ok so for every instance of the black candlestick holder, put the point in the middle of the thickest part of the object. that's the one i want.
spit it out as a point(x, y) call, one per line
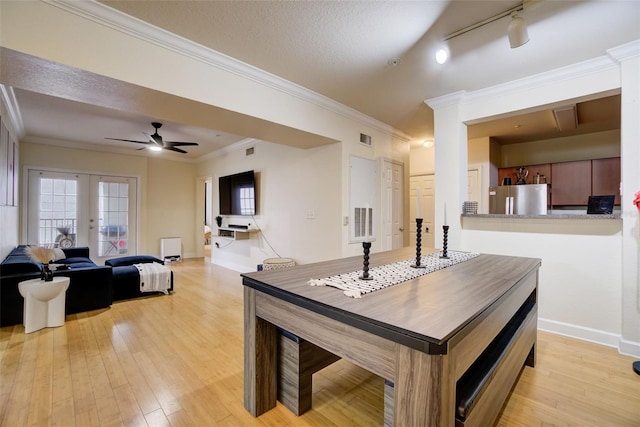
point(418, 244)
point(445, 237)
point(366, 246)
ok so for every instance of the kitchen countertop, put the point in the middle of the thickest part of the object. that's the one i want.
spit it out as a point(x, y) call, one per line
point(548, 216)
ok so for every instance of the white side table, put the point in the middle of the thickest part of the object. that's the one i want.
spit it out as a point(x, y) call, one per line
point(43, 303)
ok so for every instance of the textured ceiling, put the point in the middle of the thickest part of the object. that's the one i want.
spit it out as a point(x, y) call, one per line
point(344, 49)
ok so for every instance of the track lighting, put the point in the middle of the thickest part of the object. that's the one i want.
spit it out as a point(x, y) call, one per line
point(517, 31)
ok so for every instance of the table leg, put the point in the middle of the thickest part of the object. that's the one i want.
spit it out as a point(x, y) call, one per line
point(424, 390)
point(260, 359)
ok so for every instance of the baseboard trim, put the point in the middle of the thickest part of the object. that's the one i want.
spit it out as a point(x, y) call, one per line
point(231, 266)
point(595, 336)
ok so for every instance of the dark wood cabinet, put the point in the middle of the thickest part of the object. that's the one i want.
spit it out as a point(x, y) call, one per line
point(606, 177)
point(571, 183)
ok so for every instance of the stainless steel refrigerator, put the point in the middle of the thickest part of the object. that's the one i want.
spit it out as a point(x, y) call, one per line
point(525, 199)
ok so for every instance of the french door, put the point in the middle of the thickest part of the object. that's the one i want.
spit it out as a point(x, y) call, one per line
point(68, 209)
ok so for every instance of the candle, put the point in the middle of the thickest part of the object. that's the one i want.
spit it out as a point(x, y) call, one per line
point(445, 214)
point(418, 202)
point(366, 223)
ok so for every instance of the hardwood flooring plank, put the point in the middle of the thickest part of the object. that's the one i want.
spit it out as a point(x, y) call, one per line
point(177, 360)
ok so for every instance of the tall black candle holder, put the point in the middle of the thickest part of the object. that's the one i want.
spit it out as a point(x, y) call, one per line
point(366, 246)
point(418, 244)
point(445, 237)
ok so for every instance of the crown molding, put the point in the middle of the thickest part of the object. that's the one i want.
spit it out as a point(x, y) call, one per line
point(625, 51)
point(119, 21)
point(8, 98)
point(585, 68)
point(447, 100)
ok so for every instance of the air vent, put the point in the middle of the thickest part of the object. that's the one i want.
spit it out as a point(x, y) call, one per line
point(366, 140)
point(363, 222)
point(249, 151)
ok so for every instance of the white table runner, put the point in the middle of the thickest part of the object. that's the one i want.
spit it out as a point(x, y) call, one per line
point(391, 274)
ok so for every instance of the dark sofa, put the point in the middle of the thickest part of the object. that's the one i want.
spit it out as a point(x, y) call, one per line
point(90, 285)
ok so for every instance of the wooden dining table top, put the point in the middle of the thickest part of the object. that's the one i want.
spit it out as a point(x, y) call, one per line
point(424, 312)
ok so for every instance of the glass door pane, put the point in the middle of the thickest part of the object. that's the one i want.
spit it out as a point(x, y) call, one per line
point(112, 218)
point(56, 209)
point(57, 214)
point(113, 223)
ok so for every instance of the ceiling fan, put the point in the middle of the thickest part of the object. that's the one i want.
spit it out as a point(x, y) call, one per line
point(156, 141)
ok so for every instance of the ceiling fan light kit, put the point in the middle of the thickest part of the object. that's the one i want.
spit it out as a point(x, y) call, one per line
point(156, 142)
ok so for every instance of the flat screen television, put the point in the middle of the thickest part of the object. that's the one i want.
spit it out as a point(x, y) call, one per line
point(237, 194)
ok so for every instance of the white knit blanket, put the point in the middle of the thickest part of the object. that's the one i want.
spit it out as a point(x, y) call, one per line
point(390, 274)
point(154, 277)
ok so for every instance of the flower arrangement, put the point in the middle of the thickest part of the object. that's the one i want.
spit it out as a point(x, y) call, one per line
point(636, 201)
point(40, 254)
point(43, 256)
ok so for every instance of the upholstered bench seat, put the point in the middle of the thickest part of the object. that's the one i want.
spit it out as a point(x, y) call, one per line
point(126, 277)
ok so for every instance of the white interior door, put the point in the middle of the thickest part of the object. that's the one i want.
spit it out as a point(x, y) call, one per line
point(392, 205)
point(112, 217)
point(427, 190)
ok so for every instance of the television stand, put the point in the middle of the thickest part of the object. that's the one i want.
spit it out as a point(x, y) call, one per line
point(234, 233)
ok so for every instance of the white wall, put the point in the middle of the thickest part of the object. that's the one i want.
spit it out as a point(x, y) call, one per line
point(579, 287)
point(597, 145)
point(589, 278)
point(166, 191)
point(290, 182)
point(127, 56)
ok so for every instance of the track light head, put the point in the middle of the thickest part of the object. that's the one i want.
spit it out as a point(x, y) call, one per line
point(517, 31)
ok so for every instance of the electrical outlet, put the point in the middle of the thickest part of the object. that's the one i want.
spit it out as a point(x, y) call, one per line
point(310, 215)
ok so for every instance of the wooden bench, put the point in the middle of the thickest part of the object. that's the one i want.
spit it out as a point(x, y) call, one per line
point(298, 360)
point(485, 362)
point(483, 389)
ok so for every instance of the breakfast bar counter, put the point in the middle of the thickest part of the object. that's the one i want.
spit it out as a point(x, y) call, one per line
point(421, 335)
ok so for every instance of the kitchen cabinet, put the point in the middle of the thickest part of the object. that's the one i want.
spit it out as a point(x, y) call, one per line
point(542, 169)
point(606, 177)
point(571, 183)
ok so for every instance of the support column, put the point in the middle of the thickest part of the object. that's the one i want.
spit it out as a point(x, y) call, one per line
point(628, 56)
point(451, 165)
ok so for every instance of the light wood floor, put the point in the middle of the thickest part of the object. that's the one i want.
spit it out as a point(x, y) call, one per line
point(177, 360)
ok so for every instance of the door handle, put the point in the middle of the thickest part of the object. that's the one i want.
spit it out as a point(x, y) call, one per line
point(401, 229)
point(426, 229)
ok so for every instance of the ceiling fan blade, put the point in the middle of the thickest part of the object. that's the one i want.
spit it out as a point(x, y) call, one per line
point(153, 139)
point(129, 140)
point(175, 149)
point(179, 143)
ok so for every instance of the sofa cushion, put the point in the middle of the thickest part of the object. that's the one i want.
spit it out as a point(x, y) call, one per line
point(133, 259)
point(18, 265)
point(18, 262)
point(77, 260)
